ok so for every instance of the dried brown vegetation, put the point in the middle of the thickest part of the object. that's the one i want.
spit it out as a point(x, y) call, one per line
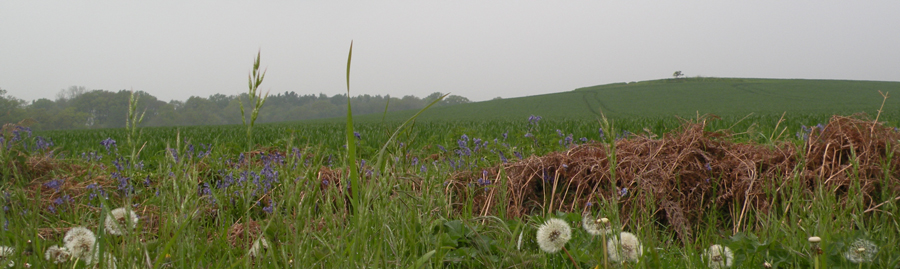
point(692, 171)
point(242, 235)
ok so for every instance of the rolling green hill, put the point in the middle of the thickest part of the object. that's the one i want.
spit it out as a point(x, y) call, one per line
point(728, 97)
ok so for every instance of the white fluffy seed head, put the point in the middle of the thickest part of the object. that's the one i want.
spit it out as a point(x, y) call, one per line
point(81, 243)
point(718, 256)
point(553, 235)
point(595, 226)
point(6, 254)
point(76, 232)
point(861, 251)
point(118, 219)
point(57, 254)
point(625, 247)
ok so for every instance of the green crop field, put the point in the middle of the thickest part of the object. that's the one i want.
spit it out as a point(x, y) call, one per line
point(726, 97)
point(756, 165)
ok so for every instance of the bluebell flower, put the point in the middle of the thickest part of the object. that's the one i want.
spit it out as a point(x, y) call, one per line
point(270, 208)
point(117, 164)
point(356, 134)
point(518, 155)
point(442, 148)
point(533, 120)
point(96, 191)
point(62, 200)
point(423, 169)
point(623, 192)
point(17, 132)
point(42, 143)
point(108, 142)
point(528, 135)
point(503, 158)
point(804, 132)
point(54, 184)
point(174, 154)
point(708, 167)
point(124, 183)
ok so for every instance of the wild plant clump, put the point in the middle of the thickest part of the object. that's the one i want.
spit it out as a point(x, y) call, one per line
point(690, 172)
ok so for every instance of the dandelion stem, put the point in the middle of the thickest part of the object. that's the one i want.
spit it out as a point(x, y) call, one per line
point(570, 258)
point(605, 255)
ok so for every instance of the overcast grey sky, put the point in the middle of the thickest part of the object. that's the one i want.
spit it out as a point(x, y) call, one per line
point(477, 49)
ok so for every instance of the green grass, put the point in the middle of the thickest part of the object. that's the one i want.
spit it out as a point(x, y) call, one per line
point(188, 200)
point(410, 213)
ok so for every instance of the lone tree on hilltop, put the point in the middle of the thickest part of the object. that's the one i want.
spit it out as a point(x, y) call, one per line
point(678, 74)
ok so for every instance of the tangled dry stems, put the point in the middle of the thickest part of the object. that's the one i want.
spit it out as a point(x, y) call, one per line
point(691, 171)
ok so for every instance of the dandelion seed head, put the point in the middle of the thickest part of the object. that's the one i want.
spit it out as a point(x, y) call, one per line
point(117, 221)
point(595, 226)
point(625, 247)
point(553, 235)
point(80, 242)
point(6, 252)
point(718, 256)
point(57, 254)
point(861, 251)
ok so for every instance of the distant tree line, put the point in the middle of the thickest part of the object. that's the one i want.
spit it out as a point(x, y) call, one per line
point(79, 108)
